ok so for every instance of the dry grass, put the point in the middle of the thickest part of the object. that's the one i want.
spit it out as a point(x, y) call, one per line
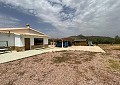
point(67, 57)
point(110, 46)
point(64, 68)
point(60, 59)
point(115, 64)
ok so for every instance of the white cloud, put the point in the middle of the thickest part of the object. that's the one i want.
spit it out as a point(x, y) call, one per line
point(7, 21)
point(80, 15)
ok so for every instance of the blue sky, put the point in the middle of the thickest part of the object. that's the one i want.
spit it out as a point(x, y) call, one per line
point(62, 18)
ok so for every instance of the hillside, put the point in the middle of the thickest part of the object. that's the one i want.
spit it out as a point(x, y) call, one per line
point(99, 39)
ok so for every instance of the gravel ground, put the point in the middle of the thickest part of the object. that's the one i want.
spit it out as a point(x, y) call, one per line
point(63, 68)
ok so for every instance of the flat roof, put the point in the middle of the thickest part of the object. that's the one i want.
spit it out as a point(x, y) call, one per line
point(81, 40)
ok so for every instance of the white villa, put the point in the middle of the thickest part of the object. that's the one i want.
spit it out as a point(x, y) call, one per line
point(23, 38)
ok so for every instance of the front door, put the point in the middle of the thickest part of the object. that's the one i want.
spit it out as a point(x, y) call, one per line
point(27, 43)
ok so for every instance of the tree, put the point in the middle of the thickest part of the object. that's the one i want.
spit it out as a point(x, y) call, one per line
point(117, 40)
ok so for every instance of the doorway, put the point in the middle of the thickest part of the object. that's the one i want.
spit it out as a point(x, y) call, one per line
point(27, 43)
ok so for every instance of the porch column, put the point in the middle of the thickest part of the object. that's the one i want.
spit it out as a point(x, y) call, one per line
point(67, 44)
point(53, 43)
point(45, 42)
point(62, 43)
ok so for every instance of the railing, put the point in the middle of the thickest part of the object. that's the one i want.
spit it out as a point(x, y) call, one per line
point(4, 46)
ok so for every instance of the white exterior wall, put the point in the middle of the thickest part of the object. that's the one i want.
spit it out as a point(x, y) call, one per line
point(45, 40)
point(31, 40)
point(6, 37)
point(18, 41)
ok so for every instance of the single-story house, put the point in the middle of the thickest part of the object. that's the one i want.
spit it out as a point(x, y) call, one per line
point(23, 38)
point(81, 42)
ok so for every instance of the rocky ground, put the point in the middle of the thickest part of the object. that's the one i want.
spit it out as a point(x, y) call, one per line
point(64, 68)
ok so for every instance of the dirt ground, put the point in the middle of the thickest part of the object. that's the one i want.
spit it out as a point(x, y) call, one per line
point(64, 68)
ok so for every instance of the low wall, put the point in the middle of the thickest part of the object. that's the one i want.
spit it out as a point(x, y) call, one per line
point(45, 45)
point(18, 49)
point(36, 46)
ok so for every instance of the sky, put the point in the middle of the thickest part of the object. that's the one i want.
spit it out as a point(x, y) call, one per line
point(63, 18)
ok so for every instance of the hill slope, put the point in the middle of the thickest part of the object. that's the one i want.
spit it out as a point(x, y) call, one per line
point(96, 39)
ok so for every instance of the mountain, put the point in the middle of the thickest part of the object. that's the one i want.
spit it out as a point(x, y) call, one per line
point(96, 39)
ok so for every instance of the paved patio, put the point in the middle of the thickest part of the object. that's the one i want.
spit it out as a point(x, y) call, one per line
point(19, 55)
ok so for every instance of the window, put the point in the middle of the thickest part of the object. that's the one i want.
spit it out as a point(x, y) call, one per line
point(38, 41)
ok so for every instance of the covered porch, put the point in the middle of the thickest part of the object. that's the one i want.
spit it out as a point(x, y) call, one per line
point(63, 42)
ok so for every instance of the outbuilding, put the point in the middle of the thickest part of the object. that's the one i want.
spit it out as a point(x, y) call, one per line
point(81, 42)
point(21, 39)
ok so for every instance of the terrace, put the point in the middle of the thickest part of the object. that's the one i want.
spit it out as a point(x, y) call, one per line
point(6, 57)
